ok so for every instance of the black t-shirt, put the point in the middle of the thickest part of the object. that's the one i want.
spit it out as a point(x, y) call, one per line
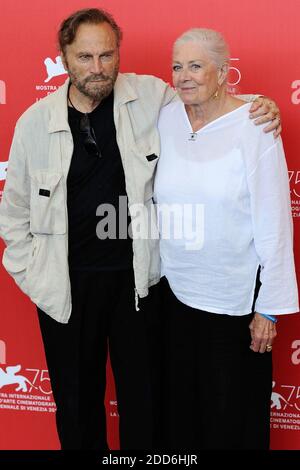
point(93, 181)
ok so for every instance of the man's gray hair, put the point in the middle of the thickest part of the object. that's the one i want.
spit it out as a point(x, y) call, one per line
point(213, 41)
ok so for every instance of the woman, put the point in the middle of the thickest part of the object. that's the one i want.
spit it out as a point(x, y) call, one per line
point(229, 180)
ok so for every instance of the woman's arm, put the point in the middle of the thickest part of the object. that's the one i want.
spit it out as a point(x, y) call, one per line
point(273, 238)
point(263, 333)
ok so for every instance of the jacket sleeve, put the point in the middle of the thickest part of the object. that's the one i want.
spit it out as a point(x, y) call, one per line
point(14, 214)
point(169, 95)
point(248, 98)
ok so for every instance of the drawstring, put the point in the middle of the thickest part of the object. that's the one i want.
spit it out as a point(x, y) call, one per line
point(136, 300)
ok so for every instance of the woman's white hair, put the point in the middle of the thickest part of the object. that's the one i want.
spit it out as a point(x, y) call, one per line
point(213, 41)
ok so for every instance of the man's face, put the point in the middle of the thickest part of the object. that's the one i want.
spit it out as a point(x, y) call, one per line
point(92, 60)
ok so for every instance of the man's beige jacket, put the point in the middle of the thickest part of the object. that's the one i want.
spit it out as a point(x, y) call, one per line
point(33, 212)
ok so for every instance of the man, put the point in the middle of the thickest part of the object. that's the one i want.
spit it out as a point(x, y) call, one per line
point(90, 143)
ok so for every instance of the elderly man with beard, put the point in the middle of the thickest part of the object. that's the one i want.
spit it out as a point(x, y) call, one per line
point(75, 154)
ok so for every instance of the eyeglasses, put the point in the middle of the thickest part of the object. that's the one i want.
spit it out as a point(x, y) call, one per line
point(89, 138)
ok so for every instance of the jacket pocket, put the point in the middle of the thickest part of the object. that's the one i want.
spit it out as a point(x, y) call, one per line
point(146, 157)
point(47, 203)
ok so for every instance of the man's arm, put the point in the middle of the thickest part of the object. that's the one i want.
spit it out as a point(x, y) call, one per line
point(264, 110)
point(170, 95)
point(14, 214)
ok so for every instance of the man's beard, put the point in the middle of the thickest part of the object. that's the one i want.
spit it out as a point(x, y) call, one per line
point(98, 91)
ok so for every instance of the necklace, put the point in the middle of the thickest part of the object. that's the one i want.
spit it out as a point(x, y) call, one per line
point(69, 99)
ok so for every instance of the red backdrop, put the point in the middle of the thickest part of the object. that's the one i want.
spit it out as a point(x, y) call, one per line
point(265, 45)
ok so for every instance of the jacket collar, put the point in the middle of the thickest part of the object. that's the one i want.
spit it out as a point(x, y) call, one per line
point(59, 109)
point(123, 93)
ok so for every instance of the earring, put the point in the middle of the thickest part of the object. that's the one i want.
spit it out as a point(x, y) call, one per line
point(215, 96)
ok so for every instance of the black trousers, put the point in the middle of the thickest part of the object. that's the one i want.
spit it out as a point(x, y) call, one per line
point(104, 317)
point(216, 390)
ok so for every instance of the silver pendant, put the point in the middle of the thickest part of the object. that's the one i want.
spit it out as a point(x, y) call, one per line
point(193, 136)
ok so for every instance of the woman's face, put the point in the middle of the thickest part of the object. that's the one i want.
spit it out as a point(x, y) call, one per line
point(195, 76)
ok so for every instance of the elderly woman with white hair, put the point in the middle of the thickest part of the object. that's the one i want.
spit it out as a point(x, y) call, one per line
point(230, 179)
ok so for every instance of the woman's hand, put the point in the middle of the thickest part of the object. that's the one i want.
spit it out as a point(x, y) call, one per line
point(263, 333)
point(266, 110)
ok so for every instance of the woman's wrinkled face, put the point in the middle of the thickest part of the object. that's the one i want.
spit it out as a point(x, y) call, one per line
point(195, 76)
